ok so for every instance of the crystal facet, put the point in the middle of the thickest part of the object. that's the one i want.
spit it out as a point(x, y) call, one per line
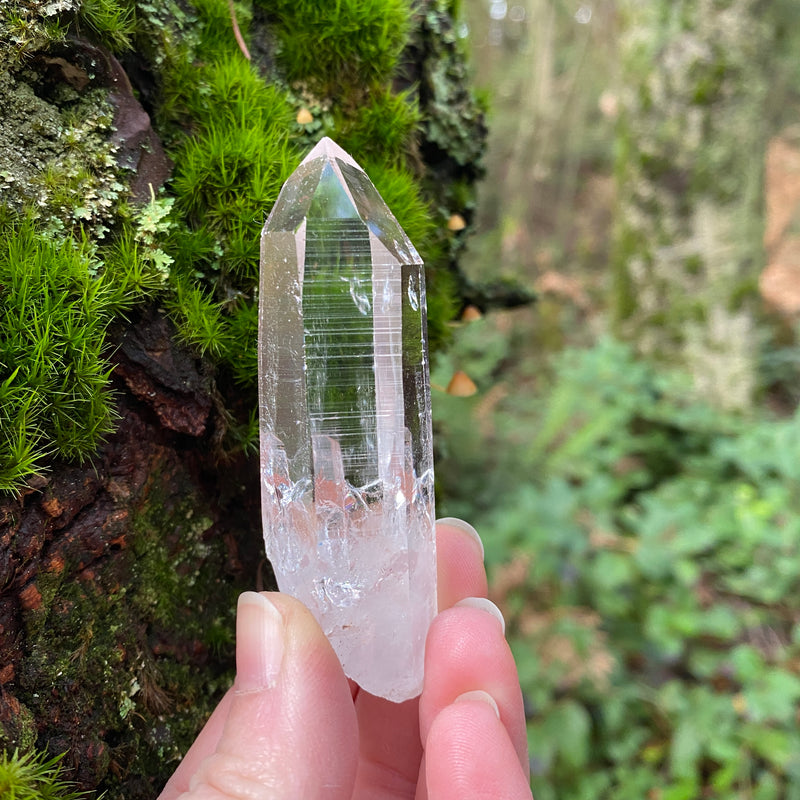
point(346, 455)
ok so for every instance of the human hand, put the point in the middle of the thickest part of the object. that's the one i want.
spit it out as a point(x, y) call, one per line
point(292, 727)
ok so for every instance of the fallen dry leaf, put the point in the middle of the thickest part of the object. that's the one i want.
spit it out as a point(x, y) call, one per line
point(782, 189)
point(779, 283)
point(461, 385)
point(456, 223)
point(471, 313)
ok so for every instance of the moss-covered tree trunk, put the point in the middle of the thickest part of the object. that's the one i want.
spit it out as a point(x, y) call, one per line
point(140, 150)
point(694, 125)
point(119, 577)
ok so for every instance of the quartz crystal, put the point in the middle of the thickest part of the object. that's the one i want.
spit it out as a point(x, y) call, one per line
point(346, 456)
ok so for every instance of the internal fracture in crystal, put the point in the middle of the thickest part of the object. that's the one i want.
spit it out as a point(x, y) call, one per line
point(346, 452)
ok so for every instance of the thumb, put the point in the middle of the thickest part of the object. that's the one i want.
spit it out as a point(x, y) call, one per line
point(291, 728)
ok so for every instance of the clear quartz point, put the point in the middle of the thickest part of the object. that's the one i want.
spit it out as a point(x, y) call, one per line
point(346, 455)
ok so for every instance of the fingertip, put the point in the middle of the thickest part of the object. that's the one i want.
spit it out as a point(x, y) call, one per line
point(461, 572)
point(308, 658)
point(469, 754)
point(465, 528)
point(484, 604)
point(301, 629)
point(465, 652)
point(480, 696)
point(259, 642)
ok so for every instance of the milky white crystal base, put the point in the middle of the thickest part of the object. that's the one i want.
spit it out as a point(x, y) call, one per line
point(364, 567)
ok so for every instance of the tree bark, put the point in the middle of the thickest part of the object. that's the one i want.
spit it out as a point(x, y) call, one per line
point(693, 131)
point(120, 578)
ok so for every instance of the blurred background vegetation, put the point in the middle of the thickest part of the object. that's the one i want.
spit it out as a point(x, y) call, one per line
point(630, 453)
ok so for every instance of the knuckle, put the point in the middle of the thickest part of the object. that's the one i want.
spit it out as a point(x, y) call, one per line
point(224, 776)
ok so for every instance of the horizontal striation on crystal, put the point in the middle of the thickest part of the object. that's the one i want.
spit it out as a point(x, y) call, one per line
point(346, 451)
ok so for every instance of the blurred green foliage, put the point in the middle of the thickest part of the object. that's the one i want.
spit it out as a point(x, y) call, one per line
point(645, 550)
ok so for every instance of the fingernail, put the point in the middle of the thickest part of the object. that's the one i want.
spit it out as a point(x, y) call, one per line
point(259, 642)
point(464, 527)
point(484, 605)
point(479, 694)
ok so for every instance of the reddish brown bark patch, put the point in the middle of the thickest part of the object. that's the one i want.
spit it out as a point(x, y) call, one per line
point(118, 580)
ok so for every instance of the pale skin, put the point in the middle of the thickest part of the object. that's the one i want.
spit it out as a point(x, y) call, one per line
point(293, 727)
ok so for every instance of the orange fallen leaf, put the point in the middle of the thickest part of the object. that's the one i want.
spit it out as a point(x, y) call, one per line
point(456, 223)
point(470, 314)
point(782, 189)
point(461, 385)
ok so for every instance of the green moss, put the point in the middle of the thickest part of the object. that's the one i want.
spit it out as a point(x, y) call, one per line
point(57, 301)
point(244, 331)
point(228, 176)
point(231, 170)
point(31, 26)
point(135, 265)
point(382, 128)
point(34, 776)
point(404, 197)
point(19, 733)
point(95, 643)
point(199, 318)
point(218, 37)
point(235, 94)
point(341, 45)
point(231, 132)
point(441, 290)
point(111, 22)
point(52, 371)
